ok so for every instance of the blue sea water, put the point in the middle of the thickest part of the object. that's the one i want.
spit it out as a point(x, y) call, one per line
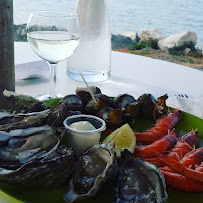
point(168, 16)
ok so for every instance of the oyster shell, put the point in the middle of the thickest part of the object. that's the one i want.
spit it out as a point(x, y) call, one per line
point(92, 169)
point(49, 171)
point(23, 103)
point(23, 145)
point(22, 121)
point(139, 181)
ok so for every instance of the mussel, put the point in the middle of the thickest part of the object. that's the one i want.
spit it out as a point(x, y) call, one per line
point(102, 101)
point(92, 169)
point(112, 117)
point(72, 102)
point(122, 100)
point(128, 105)
point(59, 114)
point(84, 93)
point(152, 108)
point(139, 181)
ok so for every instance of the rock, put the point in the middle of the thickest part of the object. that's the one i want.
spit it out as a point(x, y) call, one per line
point(20, 32)
point(187, 50)
point(119, 41)
point(133, 35)
point(151, 34)
point(180, 39)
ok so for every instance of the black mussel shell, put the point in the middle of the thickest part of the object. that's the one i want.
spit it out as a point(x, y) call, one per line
point(161, 108)
point(122, 100)
point(72, 102)
point(131, 111)
point(23, 121)
point(148, 104)
point(139, 181)
point(85, 94)
point(112, 117)
point(59, 114)
point(19, 103)
point(152, 108)
point(50, 171)
point(102, 101)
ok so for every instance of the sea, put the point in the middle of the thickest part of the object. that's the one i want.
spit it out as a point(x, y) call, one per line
point(168, 16)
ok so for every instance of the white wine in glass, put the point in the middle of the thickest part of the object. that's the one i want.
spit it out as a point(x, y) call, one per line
point(53, 36)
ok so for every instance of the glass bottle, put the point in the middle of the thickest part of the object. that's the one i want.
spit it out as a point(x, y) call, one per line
point(92, 58)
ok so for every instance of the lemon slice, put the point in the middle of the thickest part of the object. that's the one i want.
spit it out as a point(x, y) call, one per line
point(123, 138)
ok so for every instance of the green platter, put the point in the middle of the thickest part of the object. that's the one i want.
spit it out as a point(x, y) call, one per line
point(18, 194)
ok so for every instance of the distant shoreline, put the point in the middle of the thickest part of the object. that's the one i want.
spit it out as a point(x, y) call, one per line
point(121, 43)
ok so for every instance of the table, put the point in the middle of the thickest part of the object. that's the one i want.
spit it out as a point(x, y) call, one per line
point(130, 73)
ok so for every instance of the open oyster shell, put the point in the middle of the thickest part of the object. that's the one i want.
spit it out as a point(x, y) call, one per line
point(49, 171)
point(20, 103)
point(32, 157)
point(23, 121)
point(92, 169)
point(23, 145)
point(139, 181)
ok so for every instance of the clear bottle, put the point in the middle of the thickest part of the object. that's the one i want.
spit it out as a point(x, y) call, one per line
point(92, 58)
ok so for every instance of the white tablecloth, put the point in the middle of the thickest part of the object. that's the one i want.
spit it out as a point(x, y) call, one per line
point(130, 73)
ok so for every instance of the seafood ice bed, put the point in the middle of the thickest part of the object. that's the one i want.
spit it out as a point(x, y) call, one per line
point(34, 152)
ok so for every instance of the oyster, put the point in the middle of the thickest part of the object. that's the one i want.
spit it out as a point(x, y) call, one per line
point(23, 145)
point(92, 169)
point(49, 171)
point(139, 181)
point(23, 104)
point(22, 121)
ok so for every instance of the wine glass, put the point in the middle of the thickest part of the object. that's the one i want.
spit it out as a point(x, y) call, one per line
point(53, 36)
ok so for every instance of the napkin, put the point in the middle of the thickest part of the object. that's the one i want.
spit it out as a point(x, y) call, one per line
point(193, 106)
point(32, 70)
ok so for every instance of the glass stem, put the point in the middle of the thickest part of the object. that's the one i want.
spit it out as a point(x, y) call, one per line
point(53, 86)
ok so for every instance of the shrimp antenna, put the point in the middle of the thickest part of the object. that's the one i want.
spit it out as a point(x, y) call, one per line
point(88, 88)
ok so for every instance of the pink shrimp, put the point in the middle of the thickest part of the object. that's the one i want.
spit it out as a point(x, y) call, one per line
point(163, 125)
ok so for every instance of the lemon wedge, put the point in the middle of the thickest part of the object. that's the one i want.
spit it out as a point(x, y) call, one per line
point(123, 138)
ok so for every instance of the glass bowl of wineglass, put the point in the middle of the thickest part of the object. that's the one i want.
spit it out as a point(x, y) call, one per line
point(53, 36)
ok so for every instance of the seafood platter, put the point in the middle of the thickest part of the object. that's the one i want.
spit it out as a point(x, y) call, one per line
point(148, 152)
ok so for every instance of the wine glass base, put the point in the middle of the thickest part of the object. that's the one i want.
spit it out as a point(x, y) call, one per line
point(47, 97)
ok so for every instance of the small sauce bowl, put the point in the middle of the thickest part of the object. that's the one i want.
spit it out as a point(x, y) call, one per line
point(81, 139)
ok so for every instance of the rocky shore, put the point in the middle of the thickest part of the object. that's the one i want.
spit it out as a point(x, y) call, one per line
point(178, 48)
